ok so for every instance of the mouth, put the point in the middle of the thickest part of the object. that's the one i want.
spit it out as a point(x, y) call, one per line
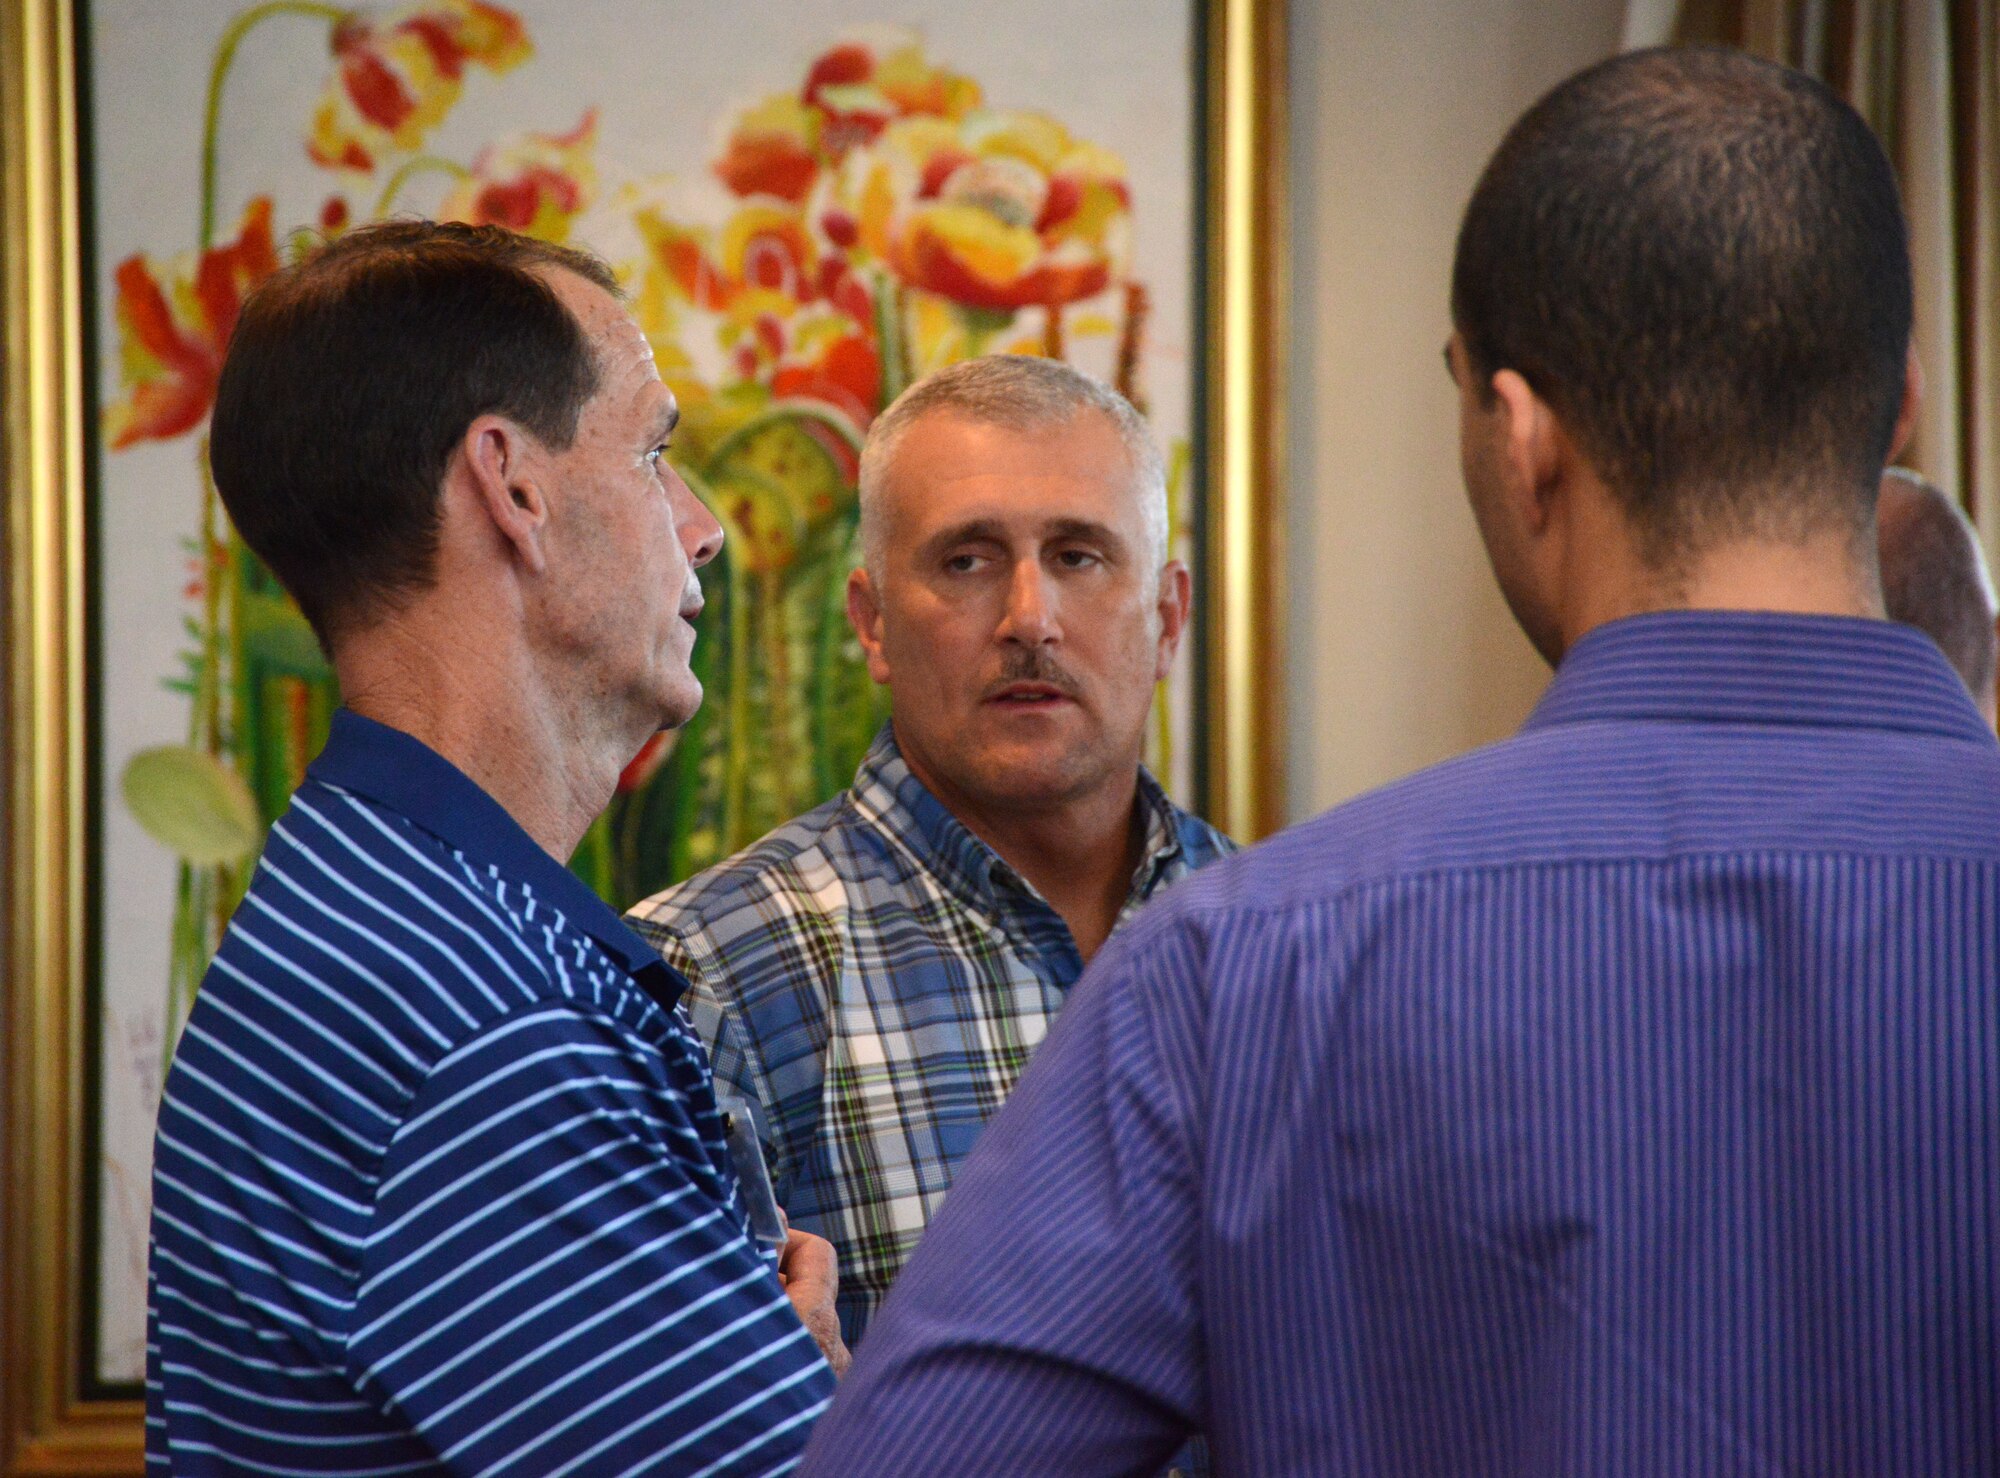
point(1028, 696)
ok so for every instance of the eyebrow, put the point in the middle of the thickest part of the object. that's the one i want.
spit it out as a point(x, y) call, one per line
point(664, 426)
point(974, 530)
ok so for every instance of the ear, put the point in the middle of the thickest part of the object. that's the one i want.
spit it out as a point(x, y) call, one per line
point(1913, 402)
point(503, 466)
point(1176, 595)
point(1531, 448)
point(864, 614)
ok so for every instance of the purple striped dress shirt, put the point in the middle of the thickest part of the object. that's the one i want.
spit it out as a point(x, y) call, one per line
point(1623, 1098)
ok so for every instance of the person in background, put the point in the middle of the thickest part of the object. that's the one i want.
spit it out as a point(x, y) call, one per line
point(873, 976)
point(440, 1186)
point(1623, 1098)
point(1934, 578)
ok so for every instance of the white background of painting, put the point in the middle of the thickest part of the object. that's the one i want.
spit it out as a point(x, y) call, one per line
point(665, 74)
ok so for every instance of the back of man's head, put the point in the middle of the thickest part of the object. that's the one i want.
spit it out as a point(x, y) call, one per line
point(1934, 578)
point(351, 378)
point(1698, 260)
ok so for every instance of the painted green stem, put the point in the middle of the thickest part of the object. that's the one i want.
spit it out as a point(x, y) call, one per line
point(409, 170)
point(735, 749)
point(225, 55)
point(888, 338)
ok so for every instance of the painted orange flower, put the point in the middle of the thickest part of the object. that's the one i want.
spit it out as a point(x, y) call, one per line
point(773, 150)
point(174, 326)
point(536, 184)
point(400, 72)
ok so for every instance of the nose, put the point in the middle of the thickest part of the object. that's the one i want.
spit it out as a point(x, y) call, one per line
point(701, 534)
point(1030, 617)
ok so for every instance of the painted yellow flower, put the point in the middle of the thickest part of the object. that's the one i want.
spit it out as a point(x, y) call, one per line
point(400, 71)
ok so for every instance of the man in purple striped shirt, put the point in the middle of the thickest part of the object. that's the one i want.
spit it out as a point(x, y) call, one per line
point(1623, 1098)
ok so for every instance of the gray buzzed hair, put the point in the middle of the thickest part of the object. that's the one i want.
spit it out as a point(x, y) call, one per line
point(1934, 577)
point(1021, 392)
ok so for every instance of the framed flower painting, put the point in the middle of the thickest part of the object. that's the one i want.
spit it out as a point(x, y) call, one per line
point(809, 207)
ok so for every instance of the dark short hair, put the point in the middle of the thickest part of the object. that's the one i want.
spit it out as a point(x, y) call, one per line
point(349, 381)
point(1698, 259)
point(1934, 576)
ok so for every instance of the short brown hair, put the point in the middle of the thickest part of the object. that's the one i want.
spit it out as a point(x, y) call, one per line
point(349, 381)
point(1698, 259)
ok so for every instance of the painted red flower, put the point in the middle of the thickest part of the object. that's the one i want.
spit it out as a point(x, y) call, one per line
point(998, 212)
point(400, 71)
point(845, 372)
point(851, 93)
point(173, 327)
point(536, 184)
point(859, 90)
point(762, 249)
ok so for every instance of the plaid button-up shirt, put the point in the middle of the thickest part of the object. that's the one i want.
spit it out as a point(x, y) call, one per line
point(872, 977)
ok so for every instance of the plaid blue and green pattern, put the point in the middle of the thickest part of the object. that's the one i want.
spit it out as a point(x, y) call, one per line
point(872, 977)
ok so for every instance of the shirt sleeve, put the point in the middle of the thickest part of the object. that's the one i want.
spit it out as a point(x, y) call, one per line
point(556, 1279)
point(1049, 1322)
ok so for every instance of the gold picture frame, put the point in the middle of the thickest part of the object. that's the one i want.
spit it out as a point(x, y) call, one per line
point(50, 1422)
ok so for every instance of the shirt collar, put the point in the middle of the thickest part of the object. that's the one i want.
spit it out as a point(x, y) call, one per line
point(407, 776)
point(1761, 667)
point(885, 787)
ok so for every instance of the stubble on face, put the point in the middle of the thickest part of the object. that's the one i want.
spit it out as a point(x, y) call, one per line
point(620, 606)
point(1004, 699)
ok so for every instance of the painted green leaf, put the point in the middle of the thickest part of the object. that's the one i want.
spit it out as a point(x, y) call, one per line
point(786, 450)
point(274, 633)
point(192, 803)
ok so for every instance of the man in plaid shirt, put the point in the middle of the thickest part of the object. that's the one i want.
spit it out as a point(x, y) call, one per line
point(873, 975)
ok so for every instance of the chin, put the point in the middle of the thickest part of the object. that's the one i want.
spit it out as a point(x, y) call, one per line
point(679, 705)
point(1035, 778)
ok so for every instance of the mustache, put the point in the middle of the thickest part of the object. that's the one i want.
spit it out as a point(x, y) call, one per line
point(1032, 665)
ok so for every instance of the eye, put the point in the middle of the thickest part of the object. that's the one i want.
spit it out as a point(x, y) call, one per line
point(963, 563)
point(1078, 559)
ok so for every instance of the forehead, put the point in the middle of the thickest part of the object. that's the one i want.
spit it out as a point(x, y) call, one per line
point(624, 358)
point(946, 468)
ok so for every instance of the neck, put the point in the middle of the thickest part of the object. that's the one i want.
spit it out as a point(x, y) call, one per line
point(485, 708)
point(1827, 572)
point(1078, 853)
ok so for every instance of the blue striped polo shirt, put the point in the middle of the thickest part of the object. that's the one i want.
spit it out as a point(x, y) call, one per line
point(439, 1184)
point(1621, 1099)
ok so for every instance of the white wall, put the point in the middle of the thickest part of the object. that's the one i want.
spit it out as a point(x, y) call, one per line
point(1401, 650)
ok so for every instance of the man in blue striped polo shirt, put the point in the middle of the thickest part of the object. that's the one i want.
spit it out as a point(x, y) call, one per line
point(1624, 1098)
point(440, 1185)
